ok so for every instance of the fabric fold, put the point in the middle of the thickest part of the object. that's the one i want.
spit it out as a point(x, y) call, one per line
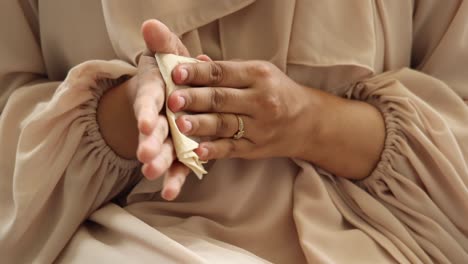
point(61, 184)
point(47, 191)
point(422, 175)
point(124, 19)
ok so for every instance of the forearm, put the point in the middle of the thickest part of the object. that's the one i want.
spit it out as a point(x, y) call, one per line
point(117, 121)
point(349, 136)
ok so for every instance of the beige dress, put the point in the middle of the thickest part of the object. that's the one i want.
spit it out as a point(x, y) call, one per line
point(66, 197)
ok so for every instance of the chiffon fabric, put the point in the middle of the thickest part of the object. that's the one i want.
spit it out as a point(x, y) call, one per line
point(66, 197)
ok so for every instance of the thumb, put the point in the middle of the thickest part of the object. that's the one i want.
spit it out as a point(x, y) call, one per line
point(159, 39)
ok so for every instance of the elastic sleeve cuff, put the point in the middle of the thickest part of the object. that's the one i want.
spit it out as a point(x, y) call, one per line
point(394, 137)
point(93, 134)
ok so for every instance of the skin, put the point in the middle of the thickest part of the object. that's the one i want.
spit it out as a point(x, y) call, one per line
point(281, 117)
point(342, 136)
point(130, 118)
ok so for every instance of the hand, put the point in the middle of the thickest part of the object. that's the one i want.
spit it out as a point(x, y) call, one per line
point(155, 149)
point(129, 115)
point(281, 118)
point(272, 106)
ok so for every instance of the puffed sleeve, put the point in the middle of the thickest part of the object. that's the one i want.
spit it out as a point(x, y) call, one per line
point(422, 178)
point(55, 167)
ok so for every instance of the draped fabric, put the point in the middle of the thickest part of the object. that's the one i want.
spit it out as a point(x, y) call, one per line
point(66, 197)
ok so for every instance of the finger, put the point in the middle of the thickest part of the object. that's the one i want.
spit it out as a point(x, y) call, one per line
point(159, 39)
point(225, 148)
point(212, 99)
point(149, 97)
point(236, 74)
point(159, 165)
point(150, 146)
point(174, 180)
point(204, 57)
point(212, 125)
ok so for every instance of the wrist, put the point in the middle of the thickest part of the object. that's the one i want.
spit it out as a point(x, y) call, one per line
point(347, 137)
point(117, 121)
point(312, 126)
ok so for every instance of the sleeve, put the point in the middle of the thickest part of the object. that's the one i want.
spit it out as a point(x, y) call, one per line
point(422, 176)
point(55, 167)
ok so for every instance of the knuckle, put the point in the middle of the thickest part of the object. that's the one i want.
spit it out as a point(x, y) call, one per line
point(143, 153)
point(271, 82)
point(157, 169)
point(194, 73)
point(231, 148)
point(271, 103)
point(263, 69)
point(216, 73)
point(222, 125)
point(160, 167)
point(218, 99)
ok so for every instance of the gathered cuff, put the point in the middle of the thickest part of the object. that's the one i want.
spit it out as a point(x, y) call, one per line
point(81, 91)
point(93, 133)
point(420, 179)
point(394, 136)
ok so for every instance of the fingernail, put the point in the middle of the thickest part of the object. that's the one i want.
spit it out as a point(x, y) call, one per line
point(183, 73)
point(188, 126)
point(203, 153)
point(180, 102)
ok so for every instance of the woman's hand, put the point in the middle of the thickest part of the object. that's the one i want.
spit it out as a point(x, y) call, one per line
point(130, 115)
point(281, 118)
point(271, 105)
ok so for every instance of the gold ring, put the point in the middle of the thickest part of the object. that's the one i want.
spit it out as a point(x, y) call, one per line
point(240, 132)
